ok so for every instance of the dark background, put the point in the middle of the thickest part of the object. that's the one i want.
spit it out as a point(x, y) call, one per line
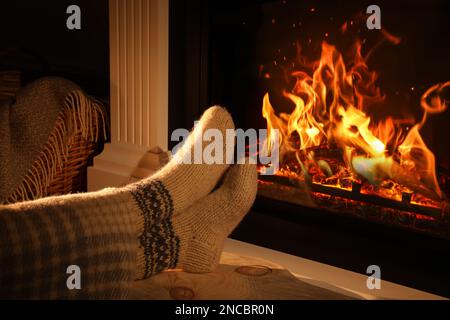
point(34, 39)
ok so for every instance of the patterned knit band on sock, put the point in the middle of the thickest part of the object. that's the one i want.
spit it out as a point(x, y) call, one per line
point(158, 244)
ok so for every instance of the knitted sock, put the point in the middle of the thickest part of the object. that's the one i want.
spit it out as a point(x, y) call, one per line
point(173, 189)
point(203, 228)
point(186, 183)
point(41, 239)
point(120, 234)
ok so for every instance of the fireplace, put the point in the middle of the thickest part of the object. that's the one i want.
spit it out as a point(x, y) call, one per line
point(361, 121)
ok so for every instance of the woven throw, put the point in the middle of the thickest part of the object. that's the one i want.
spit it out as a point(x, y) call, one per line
point(31, 149)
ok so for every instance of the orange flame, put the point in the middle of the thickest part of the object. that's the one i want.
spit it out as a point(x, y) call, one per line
point(331, 104)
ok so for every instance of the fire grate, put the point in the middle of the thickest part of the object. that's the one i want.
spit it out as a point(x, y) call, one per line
point(433, 220)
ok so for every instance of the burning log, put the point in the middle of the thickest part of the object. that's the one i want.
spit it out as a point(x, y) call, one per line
point(405, 178)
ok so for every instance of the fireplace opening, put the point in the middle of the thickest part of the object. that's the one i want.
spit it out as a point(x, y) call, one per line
point(361, 119)
point(352, 117)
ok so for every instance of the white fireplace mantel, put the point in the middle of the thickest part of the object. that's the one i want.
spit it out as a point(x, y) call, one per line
point(139, 37)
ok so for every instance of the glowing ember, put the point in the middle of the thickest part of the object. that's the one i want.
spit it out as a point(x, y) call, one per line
point(330, 139)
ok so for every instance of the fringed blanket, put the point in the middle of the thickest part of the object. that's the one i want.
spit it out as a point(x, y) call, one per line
point(32, 145)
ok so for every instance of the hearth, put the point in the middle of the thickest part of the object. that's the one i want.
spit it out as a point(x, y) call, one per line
point(360, 114)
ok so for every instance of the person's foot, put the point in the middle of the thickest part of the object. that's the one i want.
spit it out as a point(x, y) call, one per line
point(203, 228)
point(193, 239)
point(178, 185)
point(167, 194)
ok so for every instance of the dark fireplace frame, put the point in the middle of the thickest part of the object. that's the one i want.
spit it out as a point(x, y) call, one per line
point(416, 260)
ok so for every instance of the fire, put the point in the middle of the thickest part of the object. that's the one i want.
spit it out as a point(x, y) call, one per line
point(330, 138)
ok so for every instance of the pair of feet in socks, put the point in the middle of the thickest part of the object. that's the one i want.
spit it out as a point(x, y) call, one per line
point(188, 210)
point(177, 218)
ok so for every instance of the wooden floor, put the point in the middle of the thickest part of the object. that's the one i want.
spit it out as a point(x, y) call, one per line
point(250, 272)
point(237, 278)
